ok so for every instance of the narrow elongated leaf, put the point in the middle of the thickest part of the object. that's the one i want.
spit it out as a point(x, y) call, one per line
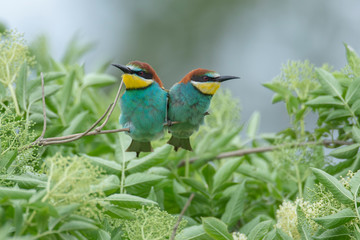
point(334, 186)
point(208, 173)
point(216, 228)
point(16, 193)
point(118, 212)
point(303, 226)
point(253, 125)
point(225, 171)
point(356, 134)
point(98, 80)
point(76, 225)
point(278, 88)
point(49, 90)
point(259, 231)
point(353, 92)
point(353, 60)
point(141, 183)
point(193, 233)
point(337, 219)
point(329, 83)
point(156, 158)
point(76, 124)
point(110, 167)
point(196, 185)
point(129, 201)
point(235, 206)
point(345, 152)
point(109, 183)
point(338, 114)
point(355, 107)
point(339, 233)
point(21, 86)
point(355, 182)
point(7, 159)
point(324, 101)
point(66, 91)
point(27, 181)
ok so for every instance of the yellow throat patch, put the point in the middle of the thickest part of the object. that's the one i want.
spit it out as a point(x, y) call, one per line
point(208, 88)
point(132, 81)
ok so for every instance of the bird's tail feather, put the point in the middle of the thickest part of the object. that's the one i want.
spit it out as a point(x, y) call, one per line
point(180, 143)
point(137, 146)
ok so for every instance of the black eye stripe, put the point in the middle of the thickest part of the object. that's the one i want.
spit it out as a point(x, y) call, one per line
point(143, 74)
point(203, 78)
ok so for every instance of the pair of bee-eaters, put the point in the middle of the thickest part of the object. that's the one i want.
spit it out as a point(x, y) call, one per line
point(146, 106)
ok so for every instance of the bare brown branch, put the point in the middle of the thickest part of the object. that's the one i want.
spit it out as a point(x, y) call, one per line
point(98, 129)
point(242, 152)
point(181, 215)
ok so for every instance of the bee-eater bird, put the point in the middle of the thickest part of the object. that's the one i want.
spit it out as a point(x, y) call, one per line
point(143, 105)
point(189, 101)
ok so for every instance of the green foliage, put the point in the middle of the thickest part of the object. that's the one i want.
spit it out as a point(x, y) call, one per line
point(92, 189)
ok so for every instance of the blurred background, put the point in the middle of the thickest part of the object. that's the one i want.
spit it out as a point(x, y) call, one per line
point(249, 38)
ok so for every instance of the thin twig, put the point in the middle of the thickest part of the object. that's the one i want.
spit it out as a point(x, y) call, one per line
point(98, 129)
point(181, 215)
point(242, 152)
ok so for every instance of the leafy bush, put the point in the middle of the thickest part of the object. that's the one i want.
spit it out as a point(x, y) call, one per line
point(280, 186)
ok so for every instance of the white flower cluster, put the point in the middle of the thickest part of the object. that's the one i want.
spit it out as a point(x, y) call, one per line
point(287, 219)
point(239, 236)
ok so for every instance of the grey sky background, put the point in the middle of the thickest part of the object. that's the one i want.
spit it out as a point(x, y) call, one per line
point(250, 38)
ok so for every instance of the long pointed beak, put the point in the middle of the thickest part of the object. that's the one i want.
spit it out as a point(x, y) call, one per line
point(225, 78)
point(123, 68)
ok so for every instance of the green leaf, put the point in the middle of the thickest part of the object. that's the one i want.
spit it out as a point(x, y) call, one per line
point(253, 125)
point(337, 114)
point(334, 186)
point(37, 95)
point(76, 124)
point(324, 101)
point(7, 159)
point(16, 193)
point(66, 91)
point(141, 183)
point(353, 92)
point(235, 206)
point(278, 88)
point(156, 158)
point(355, 182)
point(225, 171)
point(27, 181)
point(302, 226)
point(21, 86)
point(192, 233)
point(216, 228)
point(340, 233)
point(98, 80)
point(109, 183)
point(129, 201)
point(118, 212)
point(75, 225)
point(337, 219)
point(196, 185)
point(329, 83)
point(259, 231)
point(345, 152)
point(208, 173)
point(353, 60)
point(355, 107)
point(109, 167)
point(356, 134)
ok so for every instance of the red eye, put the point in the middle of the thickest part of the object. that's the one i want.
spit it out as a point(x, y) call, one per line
point(141, 73)
point(206, 78)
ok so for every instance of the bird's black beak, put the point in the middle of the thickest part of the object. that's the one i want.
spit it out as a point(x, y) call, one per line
point(123, 68)
point(225, 78)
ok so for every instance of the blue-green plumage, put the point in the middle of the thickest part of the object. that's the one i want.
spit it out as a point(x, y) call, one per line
point(188, 106)
point(143, 105)
point(143, 111)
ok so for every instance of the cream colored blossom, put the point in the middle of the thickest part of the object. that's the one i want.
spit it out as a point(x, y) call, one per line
point(287, 219)
point(239, 236)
